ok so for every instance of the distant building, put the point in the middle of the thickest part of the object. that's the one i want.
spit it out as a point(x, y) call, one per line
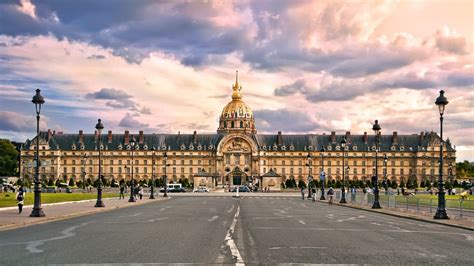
point(237, 154)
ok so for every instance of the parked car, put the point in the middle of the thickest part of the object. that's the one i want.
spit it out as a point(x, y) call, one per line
point(176, 190)
point(201, 189)
point(241, 189)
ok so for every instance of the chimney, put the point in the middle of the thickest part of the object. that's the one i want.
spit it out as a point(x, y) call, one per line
point(49, 134)
point(279, 139)
point(348, 136)
point(365, 138)
point(333, 136)
point(194, 136)
point(395, 138)
point(140, 137)
point(109, 137)
point(126, 138)
point(81, 136)
point(422, 137)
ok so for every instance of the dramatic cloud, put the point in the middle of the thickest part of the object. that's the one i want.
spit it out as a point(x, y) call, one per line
point(284, 120)
point(118, 100)
point(15, 122)
point(129, 122)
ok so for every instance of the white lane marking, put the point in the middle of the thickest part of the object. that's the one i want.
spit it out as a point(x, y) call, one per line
point(131, 215)
point(213, 218)
point(230, 242)
point(330, 216)
point(164, 208)
point(301, 222)
point(281, 211)
point(350, 219)
point(32, 246)
point(277, 248)
point(158, 219)
point(230, 210)
point(469, 237)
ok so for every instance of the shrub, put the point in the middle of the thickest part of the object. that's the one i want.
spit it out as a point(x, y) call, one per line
point(402, 184)
point(71, 182)
point(301, 184)
point(422, 184)
point(338, 184)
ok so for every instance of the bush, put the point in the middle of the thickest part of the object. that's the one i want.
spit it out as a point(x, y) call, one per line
point(394, 184)
point(402, 184)
point(71, 182)
point(338, 184)
point(289, 183)
point(422, 184)
point(301, 184)
point(50, 182)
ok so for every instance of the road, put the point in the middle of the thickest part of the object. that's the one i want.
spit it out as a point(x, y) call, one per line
point(249, 230)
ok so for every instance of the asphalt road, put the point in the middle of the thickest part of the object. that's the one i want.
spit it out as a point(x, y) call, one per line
point(250, 230)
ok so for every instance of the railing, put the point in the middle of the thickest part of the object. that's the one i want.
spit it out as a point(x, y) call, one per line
point(456, 208)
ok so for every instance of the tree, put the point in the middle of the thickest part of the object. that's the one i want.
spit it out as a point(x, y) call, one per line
point(422, 184)
point(290, 183)
point(464, 169)
point(8, 158)
point(338, 184)
point(301, 184)
point(71, 182)
point(394, 184)
point(402, 184)
point(415, 183)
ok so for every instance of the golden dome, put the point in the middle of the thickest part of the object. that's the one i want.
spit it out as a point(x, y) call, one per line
point(236, 115)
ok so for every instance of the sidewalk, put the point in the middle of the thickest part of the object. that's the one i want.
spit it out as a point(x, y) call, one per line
point(9, 217)
point(464, 223)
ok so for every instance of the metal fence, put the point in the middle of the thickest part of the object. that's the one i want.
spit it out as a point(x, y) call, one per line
point(456, 208)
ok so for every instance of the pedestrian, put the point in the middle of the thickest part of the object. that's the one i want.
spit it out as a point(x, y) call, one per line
point(313, 193)
point(19, 198)
point(302, 192)
point(140, 192)
point(331, 195)
point(122, 189)
point(403, 191)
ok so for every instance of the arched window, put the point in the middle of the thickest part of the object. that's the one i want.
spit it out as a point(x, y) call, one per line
point(241, 124)
point(232, 124)
point(225, 124)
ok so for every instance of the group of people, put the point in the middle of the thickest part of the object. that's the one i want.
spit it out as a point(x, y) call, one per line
point(138, 192)
point(330, 194)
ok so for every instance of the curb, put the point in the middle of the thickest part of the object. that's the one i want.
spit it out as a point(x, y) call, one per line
point(403, 216)
point(71, 215)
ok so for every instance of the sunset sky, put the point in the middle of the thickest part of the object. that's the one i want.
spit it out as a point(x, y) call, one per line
point(304, 66)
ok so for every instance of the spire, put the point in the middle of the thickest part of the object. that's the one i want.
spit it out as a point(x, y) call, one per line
point(236, 87)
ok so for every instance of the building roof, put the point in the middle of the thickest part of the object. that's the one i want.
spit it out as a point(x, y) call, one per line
point(278, 142)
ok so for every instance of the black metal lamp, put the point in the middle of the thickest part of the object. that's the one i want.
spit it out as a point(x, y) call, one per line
point(152, 196)
point(132, 180)
point(385, 184)
point(343, 189)
point(323, 175)
point(310, 179)
point(37, 211)
point(441, 102)
point(376, 128)
point(99, 202)
point(165, 158)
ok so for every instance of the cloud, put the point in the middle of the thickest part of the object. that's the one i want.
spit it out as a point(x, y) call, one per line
point(96, 57)
point(128, 121)
point(15, 122)
point(449, 41)
point(118, 99)
point(284, 120)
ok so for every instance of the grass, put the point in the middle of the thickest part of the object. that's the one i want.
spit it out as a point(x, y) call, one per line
point(9, 200)
point(452, 201)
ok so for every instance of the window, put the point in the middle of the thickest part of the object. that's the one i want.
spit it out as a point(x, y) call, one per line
point(145, 170)
point(73, 162)
point(73, 170)
point(355, 171)
point(182, 162)
point(111, 170)
point(363, 171)
point(90, 162)
point(91, 171)
point(64, 170)
point(136, 170)
point(120, 162)
point(300, 171)
point(111, 162)
point(291, 170)
point(190, 162)
point(241, 124)
point(182, 170)
point(329, 171)
point(145, 162)
point(283, 171)
point(199, 162)
point(227, 158)
point(120, 170)
point(329, 163)
point(264, 170)
point(232, 124)
point(137, 162)
point(363, 163)
point(393, 171)
point(174, 162)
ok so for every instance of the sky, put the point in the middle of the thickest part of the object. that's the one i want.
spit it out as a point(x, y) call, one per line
point(304, 66)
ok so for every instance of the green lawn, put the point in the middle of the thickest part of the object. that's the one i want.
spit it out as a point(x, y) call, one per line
point(8, 199)
point(424, 199)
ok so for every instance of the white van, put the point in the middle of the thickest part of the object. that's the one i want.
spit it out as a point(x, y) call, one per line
point(174, 186)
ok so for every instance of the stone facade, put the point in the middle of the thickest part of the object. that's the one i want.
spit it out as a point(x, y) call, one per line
point(237, 154)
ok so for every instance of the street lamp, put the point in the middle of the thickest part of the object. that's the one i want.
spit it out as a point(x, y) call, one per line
point(322, 175)
point(99, 202)
point(309, 174)
point(165, 158)
point(450, 175)
point(376, 128)
point(441, 102)
point(84, 158)
point(385, 159)
point(343, 197)
point(152, 172)
point(132, 181)
point(37, 211)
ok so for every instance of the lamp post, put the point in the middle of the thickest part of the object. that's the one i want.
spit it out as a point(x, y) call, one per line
point(37, 211)
point(376, 128)
point(343, 197)
point(323, 175)
point(385, 159)
point(309, 175)
point(450, 176)
point(165, 158)
point(132, 180)
point(99, 202)
point(441, 102)
point(152, 196)
point(84, 158)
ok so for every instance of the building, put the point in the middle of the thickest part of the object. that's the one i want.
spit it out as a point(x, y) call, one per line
point(237, 154)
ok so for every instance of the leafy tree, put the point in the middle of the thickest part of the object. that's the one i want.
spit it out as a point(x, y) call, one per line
point(415, 183)
point(290, 183)
point(58, 183)
point(456, 183)
point(402, 184)
point(464, 169)
point(422, 184)
point(51, 182)
point(71, 182)
point(301, 184)
point(8, 158)
point(394, 184)
point(338, 184)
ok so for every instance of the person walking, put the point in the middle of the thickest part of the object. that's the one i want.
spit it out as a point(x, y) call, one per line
point(122, 189)
point(19, 198)
point(331, 195)
point(140, 192)
point(302, 192)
